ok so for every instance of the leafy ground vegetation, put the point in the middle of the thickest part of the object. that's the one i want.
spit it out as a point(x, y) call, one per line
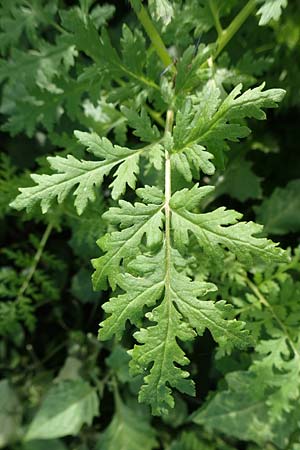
point(143, 148)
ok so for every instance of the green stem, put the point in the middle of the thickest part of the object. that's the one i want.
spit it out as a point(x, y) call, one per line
point(168, 193)
point(35, 261)
point(234, 26)
point(265, 302)
point(116, 393)
point(152, 33)
point(215, 14)
point(155, 116)
point(168, 186)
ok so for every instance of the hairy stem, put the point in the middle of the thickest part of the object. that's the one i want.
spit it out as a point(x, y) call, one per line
point(35, 261)
point(152, 33)
point(234, 26)
point(265, 302)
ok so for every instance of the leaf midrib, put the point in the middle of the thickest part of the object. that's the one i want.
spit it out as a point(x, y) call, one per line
point(237, 240)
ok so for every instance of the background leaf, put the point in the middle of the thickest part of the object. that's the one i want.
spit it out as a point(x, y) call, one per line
point(66, 408)
point(279, 213)
point(10, 414)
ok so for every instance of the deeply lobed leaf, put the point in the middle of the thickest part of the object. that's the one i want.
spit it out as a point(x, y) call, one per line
point(217, 229)
point(84, 175)
point(212, 121)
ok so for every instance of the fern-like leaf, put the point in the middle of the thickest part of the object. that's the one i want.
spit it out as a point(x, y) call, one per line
point(210, 121)
point(84, 175)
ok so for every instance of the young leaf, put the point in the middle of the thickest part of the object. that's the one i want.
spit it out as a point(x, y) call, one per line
point(187, 68)
point(211, 121)
point(142, 125)
point(162, 9)
point(67, 406)
point(271, 10)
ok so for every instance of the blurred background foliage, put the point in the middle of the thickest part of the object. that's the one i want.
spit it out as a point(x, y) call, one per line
point(60, 388)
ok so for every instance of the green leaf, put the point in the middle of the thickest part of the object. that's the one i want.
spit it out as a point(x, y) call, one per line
point(17, 19)
point(136, 221)
point(211, 121)
point(133, 46)
point(10, 414)
point(128, 430)
point(118, 361)
point(159, 348)
point(197, 439)
point(180, 312)
point(219, 229)
point(84, 32)
point(84, 175)
point(190, 160)
point(188, 66)
point(270, 308)
point(240, 411)
point(271, 10)
point(70, 370)
point(275, 355)
point(45, 63)
point(66, 408)
point(44, 444)
point(239, 181)
point(162, 9)
point(243, 411)
point(112, 65)
point(82, 288)
point(141, 124)
point(130, 306)
point(86, 228)
point(100, 14)
point(280, 212)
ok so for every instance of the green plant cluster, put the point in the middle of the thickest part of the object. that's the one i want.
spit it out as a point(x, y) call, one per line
point(142, 188)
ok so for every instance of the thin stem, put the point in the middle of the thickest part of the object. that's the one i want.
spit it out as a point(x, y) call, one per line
point(116, 393)
point(155, 115)
point(168, 193)
point(265, 302)
point(168, 186)
point(47, 357)
point(152, 33)
point(168, 129)
point(58, 27)
point(234, 26)
point(215, 14)
point(35, 261)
